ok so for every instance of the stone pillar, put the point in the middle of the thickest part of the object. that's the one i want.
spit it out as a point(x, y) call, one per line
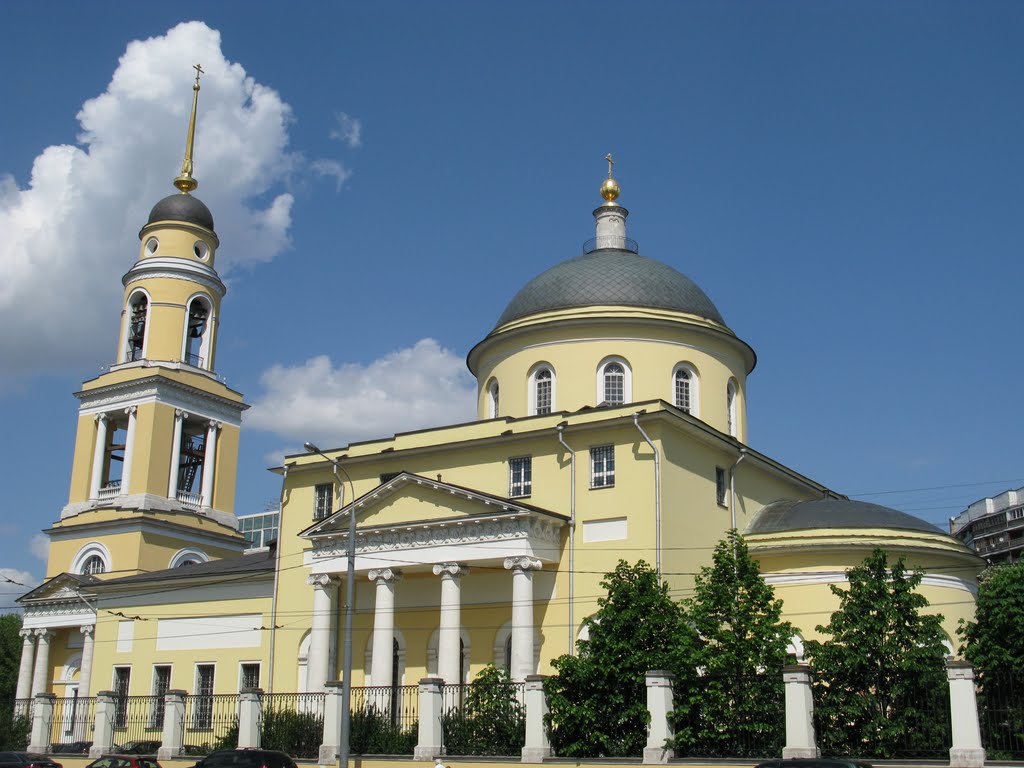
point(449, 667)
point(209, 462)
point(325, 589)
point(103, 729)
point(800, 741)
point(28, 655)
point(129, 449)
point(966, 751)
point(537, 745)
point(172, 743)
point(88, 651)
point(522, 663)
point(429, 742)
point(172, 486)
point(659, 704)
point(98, 456)
point(383, 625)
point(42, 721)
point(250, 717)
point(330, 748)
point(41, 671)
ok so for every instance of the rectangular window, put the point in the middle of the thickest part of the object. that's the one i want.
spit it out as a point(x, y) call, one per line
point(602, 466)
point(720, 487)
point(161, 684)
point(324, 493)
point(520, 476)
point(250, 676)
point(202, 710)
point(122, 682)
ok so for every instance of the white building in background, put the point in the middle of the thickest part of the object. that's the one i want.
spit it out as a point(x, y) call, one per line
point(993, 527)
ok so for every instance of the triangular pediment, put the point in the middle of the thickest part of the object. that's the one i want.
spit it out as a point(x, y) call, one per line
point(410, 499)
point(64, 586)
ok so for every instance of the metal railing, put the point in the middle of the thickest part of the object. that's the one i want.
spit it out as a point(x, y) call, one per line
point(730, 716)
point(110, 491)
point(610, 241)
point(194, 360)
point(385, 719)
point(73, 719)
point(1001, 712)
point(211, 722)
point(137, 718)
point(293, 723)
point(483, 719)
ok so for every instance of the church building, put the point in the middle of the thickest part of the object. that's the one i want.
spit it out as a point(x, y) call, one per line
point(611, 424)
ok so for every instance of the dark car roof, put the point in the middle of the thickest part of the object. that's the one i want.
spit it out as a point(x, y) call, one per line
point(248, 757)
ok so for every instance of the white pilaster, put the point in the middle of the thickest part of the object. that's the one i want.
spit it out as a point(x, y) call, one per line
point(209, 461)
point(383, 624)
point(88, 650)
point(173, 737)
point(330, 747)
point(250, 716)
point(98, 456)
point(172, 486)
point(522, 615)
point(41, 671)
point(129, 449)
point(325, 590)
point(103, 728)
point(42, 720)
point(966, 751)
point(659, 705)
point(800, 741)
point(536, 746)
point(449, 668)
point(28, 655)
point(429, 737)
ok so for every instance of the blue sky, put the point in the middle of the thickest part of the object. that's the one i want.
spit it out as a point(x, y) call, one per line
point(843, 179)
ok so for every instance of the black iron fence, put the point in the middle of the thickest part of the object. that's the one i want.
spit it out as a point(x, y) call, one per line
point(15, 724)
point(136, 718)
point(293, 723)
point(385, 719)
point(211, 722)
point(1001, 712)
point(73, 721)
point(483, 719)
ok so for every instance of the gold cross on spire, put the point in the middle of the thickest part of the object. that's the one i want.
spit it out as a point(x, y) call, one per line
point(199, 71)
point(611, 162)
point(185, 182)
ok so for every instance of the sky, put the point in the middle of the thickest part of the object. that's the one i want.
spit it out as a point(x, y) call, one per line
point(842, 179)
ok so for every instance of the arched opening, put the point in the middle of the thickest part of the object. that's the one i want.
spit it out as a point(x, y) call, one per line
point(614, 382)
point(730, 409)
point(135, 335)
point(684, 388)
point(492, 400)
point(197, 333)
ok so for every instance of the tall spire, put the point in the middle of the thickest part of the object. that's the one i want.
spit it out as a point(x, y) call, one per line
point(185, 182)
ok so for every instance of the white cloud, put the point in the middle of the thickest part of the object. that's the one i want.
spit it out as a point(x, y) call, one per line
point(72, 231)
point(348, 130)
point(422, 386)
point(331, 169)
point(39, 545)
point(14, 584)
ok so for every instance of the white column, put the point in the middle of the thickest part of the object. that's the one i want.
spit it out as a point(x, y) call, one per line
point(522, 615)
point(659, 705)
point(88, 649)
point(209, 459)
point(129, 449)
point(28, 654)
point(449, 668)
point(325, 590)
point(383, 624)
point(172, 486)
point(800, 741)
point(41, 672)
point(966, 751)
point(98, 455)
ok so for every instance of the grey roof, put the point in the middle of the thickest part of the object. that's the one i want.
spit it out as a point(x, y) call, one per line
point(182, 207)
point(792, 515)
point(254, 562)
point(613, 277)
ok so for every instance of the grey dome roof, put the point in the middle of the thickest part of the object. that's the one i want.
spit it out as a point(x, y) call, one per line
point(792, 515)
point(181, 207)
point(610, 276)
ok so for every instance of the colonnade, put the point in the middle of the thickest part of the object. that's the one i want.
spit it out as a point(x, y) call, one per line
point(385, 582)
point(34, 669)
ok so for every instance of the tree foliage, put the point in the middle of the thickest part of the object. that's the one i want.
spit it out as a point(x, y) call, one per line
point(10, 654)
point(880, 682)
point(491, 720)
point(597, 701)
point(735, 706)
point(995, 640)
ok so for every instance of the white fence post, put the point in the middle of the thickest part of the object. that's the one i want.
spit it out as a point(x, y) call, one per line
point(537, 745)
point(800, 741)
point(428, 745)
point(42, 720)
point(103, 728)
point(173, 738)
point(659, 704)
point(330, 748)
point(966, 751)
point(250, 718)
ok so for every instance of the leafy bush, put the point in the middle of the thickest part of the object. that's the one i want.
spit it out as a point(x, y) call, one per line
point(14, 728)
point(373, 733)
point(296, 733)
point(491, 721)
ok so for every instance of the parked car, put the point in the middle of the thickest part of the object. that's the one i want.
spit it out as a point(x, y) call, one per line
point(144, 747)
point(26, 760)
point(124, 761)
point(70, 748)
point(814, 762)
point(245, 758)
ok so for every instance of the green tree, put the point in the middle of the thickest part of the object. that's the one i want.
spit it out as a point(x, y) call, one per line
point(735, 706)
point(491, 720)
point(880, 682)
point(597, 701)
point(10, 654)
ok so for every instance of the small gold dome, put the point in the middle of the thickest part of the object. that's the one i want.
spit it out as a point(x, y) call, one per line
point(610, 189)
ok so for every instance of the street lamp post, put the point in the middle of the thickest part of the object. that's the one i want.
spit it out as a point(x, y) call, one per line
point(350, 584)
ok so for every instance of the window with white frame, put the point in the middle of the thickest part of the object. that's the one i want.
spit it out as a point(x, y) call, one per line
point(730, 408)
point(602, 466)
point(202, 711)
point(684, 388)
point(492, 400)
point(249, 675)
point(542, 384)
point(323, 495)
point(93, 565)
point(122, 684)
point(161, 684)
point(520, 472)
point(614, 382)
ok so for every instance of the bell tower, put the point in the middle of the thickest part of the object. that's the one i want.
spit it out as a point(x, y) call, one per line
point(153, 477)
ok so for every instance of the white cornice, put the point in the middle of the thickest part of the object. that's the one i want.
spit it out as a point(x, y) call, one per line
point(140, 524)
point(839, 577)
point(163, 390)
point(177, 269)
